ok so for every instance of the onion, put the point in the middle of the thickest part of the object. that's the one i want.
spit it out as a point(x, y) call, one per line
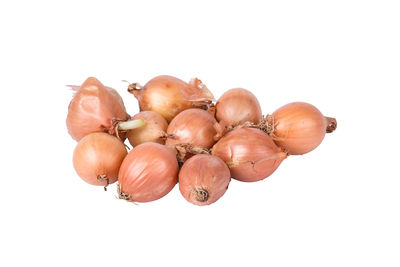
point(203, 179)
point(238, 106)
point(299, 127)
point(251, 154)
point(96, 108)
point(97, 158)
point(193, 131)
point(169, 96)
point(154, 130)
point(148, 173)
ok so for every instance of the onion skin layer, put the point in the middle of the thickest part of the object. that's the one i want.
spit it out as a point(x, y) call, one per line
point(168, 96)
point(149, 172)
point(154, 130)
point(299, 127)
point(250, 153)
point(194, 127)
point(98, 157)
point(237, 106)
point(203, 179)
point(94, 108)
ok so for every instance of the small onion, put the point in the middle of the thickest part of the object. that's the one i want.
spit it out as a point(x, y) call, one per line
point(97, 158)
point(203, 179)
point(154, 130)
point(148, 173)
point(96, 108)
point(195, 127)
point(168, 95)
point(299, 127)
point(238, 106)
point(250, 153)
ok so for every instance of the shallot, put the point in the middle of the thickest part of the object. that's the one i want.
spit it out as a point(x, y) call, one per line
point(250, 153)
point(168, 95)
point(148, 173)
point(203, 179)
point(98, 157)
point(299, 127)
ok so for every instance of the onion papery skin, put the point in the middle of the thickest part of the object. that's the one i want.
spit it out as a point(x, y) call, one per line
point(298, 127)
point(94, 108)
point(98, 157)
point(203, 179)
point(168, 96)
point(192, 126)
point(237, 106)
point(250, 154)
point(154, 130)
point(117, 96)
point(148, 173)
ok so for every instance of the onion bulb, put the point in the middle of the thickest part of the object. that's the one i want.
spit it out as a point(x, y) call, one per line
point(238, 106)
point(193, 128)
point(203, 179)
point(168, 95)
point(250, 154)
point(97, 158)
point(154, 130)
point(96, 108)
point(148, 173)
point(299, 127)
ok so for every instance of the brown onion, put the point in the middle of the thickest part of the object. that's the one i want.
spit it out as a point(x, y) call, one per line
point(250, 153)
point(96, 108)
point(299, 127)
point(168, 95)
point(97, 158)
point(203, 179)
point(193, 127)
point(154, 130)
point(238, 106)
point(148, 173)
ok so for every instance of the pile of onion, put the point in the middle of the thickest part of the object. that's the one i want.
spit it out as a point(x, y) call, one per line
point(168, 96)
point(298, 127)
point(203, 179)
point(250, 154)
point(211, 143)
point(97, 108)
point(154, 130)
point(238, 106)
point(148, 173)
point(97, 158)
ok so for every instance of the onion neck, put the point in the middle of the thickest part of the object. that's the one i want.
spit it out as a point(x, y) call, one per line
point(129, 125)
point(187, 149)
point(331, 124)
point(135, 89)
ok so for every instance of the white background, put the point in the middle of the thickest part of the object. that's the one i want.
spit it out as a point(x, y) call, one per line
point(337, 206)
